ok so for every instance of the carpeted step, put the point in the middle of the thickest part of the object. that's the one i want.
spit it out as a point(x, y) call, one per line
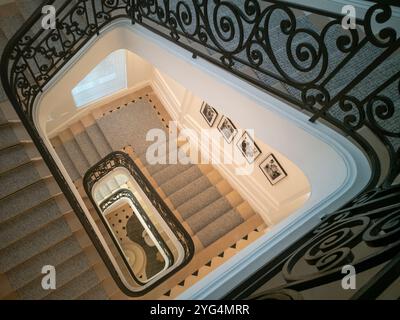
point(187, 175)
point(198, 202)
point(65, 272)
point(90, 152)
point(169, 172)
point(40, 241)
point(7, 113)
point(3, 97)
point(97, 137)
point(11, 22)
point(27, 7)
point(26, 272)
point(185, 194)
point(137, 119)
point(12, 134)
point(219, 227)
point(17, 155)
point(96, 293)
point(32, 220)
point(65, 159)
point(75, 288)
point(208, 214)
point(155, 168)
point(22, 177)
point(74, 152)
point(27, 198)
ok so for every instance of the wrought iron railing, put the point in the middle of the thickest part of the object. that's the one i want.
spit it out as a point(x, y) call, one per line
point(348, 79)
point(118, 160)
point(364, 235)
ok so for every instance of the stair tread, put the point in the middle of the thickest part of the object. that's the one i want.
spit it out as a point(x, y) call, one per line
point(185, 176)
point(31, 221)
point(74, 152)
point(65, 159)
point(208, 214)
point(75, 288)
point(169, 172)
point(24, 200)
point(189, 191)
point(16, 156)
point(65, 273)
point(9, 138)
point(90, 152)
point(99, 141)
point(29, 270)
point(20, 178)
point(219, 227)
point(35, 243)
point(198, 202)
point(95, 293)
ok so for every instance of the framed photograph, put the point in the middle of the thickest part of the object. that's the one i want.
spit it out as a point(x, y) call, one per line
point(248, 147)
point(227, 129)
point(209, 113)
point(272, 169)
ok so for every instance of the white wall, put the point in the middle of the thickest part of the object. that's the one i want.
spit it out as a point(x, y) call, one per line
point(273, 203)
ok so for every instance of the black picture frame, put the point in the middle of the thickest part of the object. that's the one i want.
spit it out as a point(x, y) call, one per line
point(240, 146)
point(225, 120)
point(210, 120)
point(274, 175)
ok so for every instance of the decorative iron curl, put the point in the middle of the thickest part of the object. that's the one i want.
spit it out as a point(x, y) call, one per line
point(380, 13)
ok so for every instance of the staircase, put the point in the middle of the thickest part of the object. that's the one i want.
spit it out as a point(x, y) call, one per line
point(213, 213)
point(37, 225)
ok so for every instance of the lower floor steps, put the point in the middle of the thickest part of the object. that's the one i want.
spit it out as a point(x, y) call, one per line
point(37, 225)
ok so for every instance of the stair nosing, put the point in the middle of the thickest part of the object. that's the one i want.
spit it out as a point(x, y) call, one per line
point(174, 177)
point(48, 177)
point(34, 207)
point(180, 189)
point(61, 216)
point(34, 160)
point(56, 266)
point(72, 234)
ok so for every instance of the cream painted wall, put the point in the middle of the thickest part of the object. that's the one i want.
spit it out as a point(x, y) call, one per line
point(274, 203)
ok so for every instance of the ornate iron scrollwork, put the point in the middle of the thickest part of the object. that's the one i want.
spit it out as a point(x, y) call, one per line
point(349, 78)
point(127, 194)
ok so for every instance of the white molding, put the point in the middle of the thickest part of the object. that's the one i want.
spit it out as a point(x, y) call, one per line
point(166, 95)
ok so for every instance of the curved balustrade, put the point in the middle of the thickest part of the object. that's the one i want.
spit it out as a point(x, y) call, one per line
point(349, 79)
point(123, 194)
point(120, 160)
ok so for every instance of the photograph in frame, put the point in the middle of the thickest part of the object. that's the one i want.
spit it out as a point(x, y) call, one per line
point(272, 169)
point(248, 148)
point(209, 113)
point(227, 129)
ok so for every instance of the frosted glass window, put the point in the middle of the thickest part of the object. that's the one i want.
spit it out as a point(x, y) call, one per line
point(108, 77)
